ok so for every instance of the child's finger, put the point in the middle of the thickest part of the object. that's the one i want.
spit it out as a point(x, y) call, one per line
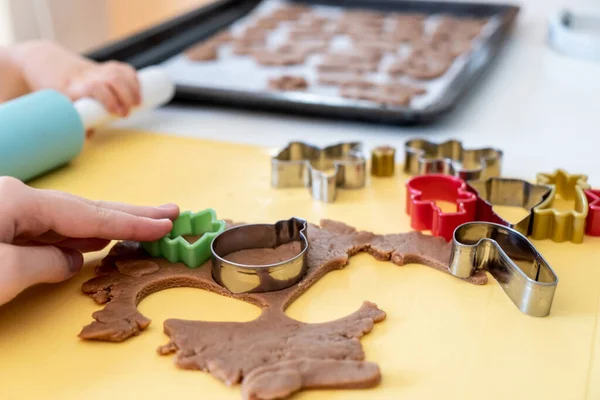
point(101, 92)
point(130, 79)
point(170, 211)
point(32, 212)
point(121, 89)
point(24, 266)
point(135, 87)
point(84, 245)
point(95, 89)
point(72, 217)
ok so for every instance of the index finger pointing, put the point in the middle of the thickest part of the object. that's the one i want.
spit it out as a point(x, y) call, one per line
point(72, 217)
point(170, 211)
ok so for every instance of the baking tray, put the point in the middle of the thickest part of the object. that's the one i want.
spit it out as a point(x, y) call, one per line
point(164, 44)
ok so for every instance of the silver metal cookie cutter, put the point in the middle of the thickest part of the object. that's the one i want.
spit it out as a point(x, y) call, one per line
point(424, 157)
point(322, 170)
point(247, 278)
point(508, 192)
point(522, 272)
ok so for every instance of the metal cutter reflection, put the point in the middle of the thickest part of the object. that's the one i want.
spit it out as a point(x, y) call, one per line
point(322, 170)
point(522, 272)
point(246, 278)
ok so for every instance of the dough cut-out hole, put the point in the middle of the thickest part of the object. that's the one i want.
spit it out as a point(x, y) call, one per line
point(194, 304)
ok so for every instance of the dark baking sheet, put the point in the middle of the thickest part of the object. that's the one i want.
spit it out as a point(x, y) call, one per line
point(171, 38)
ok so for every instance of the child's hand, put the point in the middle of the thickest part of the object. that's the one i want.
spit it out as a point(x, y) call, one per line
point(43, 233)
point(114, 84)
point(46, 65)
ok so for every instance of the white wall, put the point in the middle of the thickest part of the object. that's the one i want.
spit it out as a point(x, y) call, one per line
point(6, 31)
point(77, 24)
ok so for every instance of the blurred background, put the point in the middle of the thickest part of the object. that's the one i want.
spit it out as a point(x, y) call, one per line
point(83, 25)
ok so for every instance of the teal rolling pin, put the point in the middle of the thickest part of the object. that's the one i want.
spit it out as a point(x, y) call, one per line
point(45, 130)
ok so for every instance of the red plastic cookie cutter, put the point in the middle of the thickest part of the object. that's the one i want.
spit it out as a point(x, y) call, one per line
point(421, 194)
point(592, 223)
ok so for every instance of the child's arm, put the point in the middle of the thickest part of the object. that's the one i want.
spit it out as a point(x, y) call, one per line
point(44, 65)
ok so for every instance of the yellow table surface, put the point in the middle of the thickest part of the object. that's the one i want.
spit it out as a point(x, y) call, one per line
point(443, 338)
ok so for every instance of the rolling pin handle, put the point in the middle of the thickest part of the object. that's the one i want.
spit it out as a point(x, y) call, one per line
point(156, 88)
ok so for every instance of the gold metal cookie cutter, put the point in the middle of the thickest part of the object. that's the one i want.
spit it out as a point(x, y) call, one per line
point(383, 160)
point(247, 278)
point(508, 192)
point(424, 157)
point(549, 222)
point(522, 272)
point(322, 170)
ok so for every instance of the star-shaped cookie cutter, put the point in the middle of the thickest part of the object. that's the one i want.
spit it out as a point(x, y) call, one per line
point(522, 272)
point(592, 223)
point(322, 170)
point(175, 248)
point(551, 223)
point(422, 192)
point(508, 192)
point(424, 157)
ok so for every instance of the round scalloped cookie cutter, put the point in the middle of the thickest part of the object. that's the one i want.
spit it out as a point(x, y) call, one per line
point(576, 33)
point(247, 278)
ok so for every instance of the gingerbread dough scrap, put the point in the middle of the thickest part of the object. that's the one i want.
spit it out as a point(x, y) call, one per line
point(245, 49)
point(422, 63)
point(267, 23)
point(313, 21)
point(337, 79)
point(392, 94)
point(306, 48)
point(274, 355)
point(290, 12)
point(333, 65)
point(222, 37)
point(387, 88)
point(376, 95)
point(279, 346)
point(309, 34)
point(362, 18)
point(285, 377)
point(274, 58)
point(253, 35)
point(356, 55)
point(288, 82)
point(206, 51)
point(136, 268)
point(371, 34)
point(404, 32)
point(376, 45)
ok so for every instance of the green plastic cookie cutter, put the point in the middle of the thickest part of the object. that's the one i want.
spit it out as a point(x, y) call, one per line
point(175, 248)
